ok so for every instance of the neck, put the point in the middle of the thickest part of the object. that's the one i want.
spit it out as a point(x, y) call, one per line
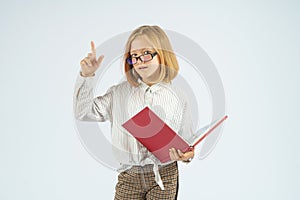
point(148, 82)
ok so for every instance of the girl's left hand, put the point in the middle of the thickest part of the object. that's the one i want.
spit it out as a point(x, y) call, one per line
point(177, 155)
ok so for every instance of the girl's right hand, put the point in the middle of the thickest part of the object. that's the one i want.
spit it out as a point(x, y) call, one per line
point(90, 64)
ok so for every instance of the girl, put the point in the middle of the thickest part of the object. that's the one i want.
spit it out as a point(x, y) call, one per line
point(150, 65)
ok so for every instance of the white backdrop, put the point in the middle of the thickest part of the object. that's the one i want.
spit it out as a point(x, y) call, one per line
point(255, 46)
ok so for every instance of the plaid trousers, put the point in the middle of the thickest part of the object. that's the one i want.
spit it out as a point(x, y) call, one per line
point(138, 183)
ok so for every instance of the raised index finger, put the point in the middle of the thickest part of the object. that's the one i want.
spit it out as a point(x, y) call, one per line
point(93, 48)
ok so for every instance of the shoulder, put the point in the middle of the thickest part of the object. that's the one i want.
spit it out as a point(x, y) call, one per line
point(180, 93)
point(121, 87)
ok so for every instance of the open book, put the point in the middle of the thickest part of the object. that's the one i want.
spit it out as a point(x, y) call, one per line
point(158, 137)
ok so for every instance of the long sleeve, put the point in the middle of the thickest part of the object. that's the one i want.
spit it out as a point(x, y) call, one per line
point(88, 108)
point(187, 129)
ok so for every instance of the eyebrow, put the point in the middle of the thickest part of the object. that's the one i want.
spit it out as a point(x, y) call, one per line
point(143, 49)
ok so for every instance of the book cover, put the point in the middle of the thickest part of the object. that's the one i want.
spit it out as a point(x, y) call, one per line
point(158, 137)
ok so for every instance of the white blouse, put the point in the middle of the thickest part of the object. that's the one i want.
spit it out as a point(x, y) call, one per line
point(123, 101)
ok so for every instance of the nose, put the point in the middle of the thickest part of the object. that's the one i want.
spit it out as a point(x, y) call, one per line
point(137, 62)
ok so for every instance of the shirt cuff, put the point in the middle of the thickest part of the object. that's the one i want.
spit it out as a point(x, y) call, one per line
point(90, 80)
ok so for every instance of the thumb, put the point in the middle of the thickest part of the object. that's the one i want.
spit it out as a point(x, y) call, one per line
point(100, 59)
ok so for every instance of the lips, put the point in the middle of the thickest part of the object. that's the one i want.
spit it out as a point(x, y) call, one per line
point(143, 67)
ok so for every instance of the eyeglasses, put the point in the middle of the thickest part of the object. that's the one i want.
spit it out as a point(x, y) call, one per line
point(147, 56)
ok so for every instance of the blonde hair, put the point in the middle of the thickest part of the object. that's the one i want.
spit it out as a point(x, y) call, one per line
point(160, 41)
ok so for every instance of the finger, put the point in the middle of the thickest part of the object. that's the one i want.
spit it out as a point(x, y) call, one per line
point(189, 154)
point(100, 59)
point(91, 55)
point(180, 153)
point(92, 58)
point(88, 61)
point(175, 154)
point(171, 155)
point(93, 48)
point(83, 63)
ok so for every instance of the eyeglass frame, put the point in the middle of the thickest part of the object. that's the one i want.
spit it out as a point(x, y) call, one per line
point(139, 58)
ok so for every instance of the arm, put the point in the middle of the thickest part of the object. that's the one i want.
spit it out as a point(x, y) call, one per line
point(187, 132)
point(187, 128)
point(85, 106)
point(88, 108)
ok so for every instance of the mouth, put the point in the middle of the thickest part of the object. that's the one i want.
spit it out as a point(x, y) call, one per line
point(143, 67)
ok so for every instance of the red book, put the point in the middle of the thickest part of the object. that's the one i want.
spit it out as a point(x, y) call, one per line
point(158, 137)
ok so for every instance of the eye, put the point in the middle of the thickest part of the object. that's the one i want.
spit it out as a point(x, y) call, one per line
point(147, 52)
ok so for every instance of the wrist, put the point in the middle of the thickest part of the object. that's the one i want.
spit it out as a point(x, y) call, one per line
point(188, 160)
point(86, 75)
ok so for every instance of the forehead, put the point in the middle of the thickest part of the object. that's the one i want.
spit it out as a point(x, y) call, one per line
point(140, 43)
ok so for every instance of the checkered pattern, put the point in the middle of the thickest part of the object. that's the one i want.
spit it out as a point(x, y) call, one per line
point(138, 183)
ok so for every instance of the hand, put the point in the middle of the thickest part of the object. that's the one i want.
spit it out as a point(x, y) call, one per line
point(177, 155)
point(90, 64)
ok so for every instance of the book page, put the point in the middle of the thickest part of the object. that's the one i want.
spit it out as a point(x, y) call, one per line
point(202, 131)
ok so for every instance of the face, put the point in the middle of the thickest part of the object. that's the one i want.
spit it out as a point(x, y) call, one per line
point(149, 70)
